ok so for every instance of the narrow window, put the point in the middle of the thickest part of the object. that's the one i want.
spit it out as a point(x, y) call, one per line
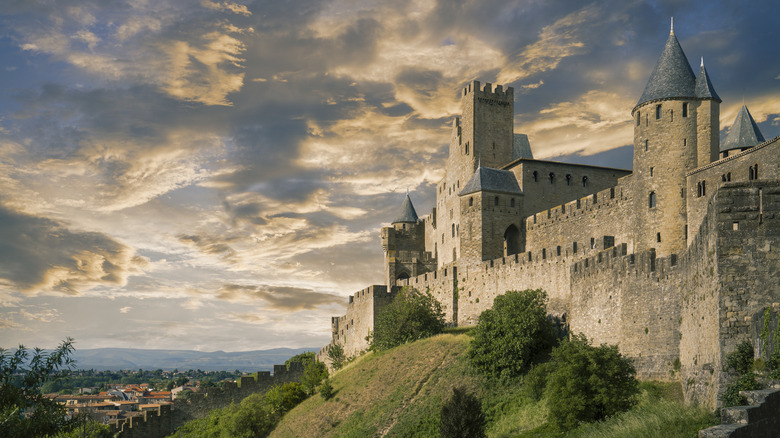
point(568, 179)
point(658, 111)
point(651, 171)
point(512, 202)
point(574, 247)
point(637, 118)
point(704, 188)
point(651, 200)
point(685, 142)
point(495, 201)
point(592, 243)
point(471, 202)
point(552, 177)
point(671, 114)
point(453, 230)
point(544, 253)
point(698, 189)
point(584, 181)
point(467, 148)
point(755, 171)
point(536, 176)
point(647, 143)
point(728, 176)
point(750, 173)
point(723, 177)
point(558, 250)
point(658, 237)
point(685, 109)
point(611, 193)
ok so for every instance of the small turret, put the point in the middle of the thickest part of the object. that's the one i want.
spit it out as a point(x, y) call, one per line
point(672, 76)
point(407, 215)
point(707, 119)
point(743, 134)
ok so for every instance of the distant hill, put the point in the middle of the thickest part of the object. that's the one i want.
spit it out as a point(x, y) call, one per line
point(115, 359)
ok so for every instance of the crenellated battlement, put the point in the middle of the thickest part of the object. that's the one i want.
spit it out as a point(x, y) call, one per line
point(488, 92)
point(612, 198)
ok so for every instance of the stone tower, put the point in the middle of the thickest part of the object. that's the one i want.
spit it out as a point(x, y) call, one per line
point(675, 130)
point(403, 244)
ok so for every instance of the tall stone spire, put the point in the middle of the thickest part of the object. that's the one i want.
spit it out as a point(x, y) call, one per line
point(672, 76)
point(704, 88)
point(407, 215)
point(743, 134)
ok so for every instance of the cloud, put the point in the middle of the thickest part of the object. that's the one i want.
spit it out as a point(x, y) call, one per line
point(227, 6)
point(283, 298)
point(38, 254)
point(47, 315)
point(125, 309)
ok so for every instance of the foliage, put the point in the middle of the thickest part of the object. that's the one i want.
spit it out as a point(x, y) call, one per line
point(24, 411)
point(741, 359)
point(86, 428)
point(588, 383)
point(313, 374)
point(462, 416)
point(512, 335)
point(281, 399)
point(411, 315)
point(326, 389)
point(535, 381)
point(336, 356)
point(253, 418)
point(302, 359)
point(731, 396)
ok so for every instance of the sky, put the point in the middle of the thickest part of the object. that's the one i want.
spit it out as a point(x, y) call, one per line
point(213, 175)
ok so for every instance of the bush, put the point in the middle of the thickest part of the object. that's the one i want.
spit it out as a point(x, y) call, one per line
point(588, 383)
point(313, 373)
point(303, 359)
point(252, 419)
point(326, 390)
point(512, 335)
point(411, 315)
point(461, 416)
point(731, 396)
point(336, 356)
point(281, 399)
point(741, 359)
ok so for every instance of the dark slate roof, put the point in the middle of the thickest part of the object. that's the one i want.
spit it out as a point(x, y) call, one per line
point(704, 88)
point(521, 147)
point(672, 75)
point(744, 133)
point(407, 212)
point(492, 180)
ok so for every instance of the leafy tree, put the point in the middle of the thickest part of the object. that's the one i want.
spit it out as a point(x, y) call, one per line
point(326, 389)
point(588, 383)
point(512, 335)
point(281, 399)
point(253, 418)
point(313, 374)
point(462, 416)
point(302, 359)
point(20, 396)
point(337, 356)
point(410, 316)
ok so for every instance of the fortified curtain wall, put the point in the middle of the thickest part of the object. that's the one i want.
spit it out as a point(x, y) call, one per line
point(166, 419)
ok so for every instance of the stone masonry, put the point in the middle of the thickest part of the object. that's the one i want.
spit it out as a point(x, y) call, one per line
point(670, 261)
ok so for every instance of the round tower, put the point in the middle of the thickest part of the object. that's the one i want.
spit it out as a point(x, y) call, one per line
point(665, 148)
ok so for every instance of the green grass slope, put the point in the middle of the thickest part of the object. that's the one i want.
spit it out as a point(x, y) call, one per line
point(400, 392)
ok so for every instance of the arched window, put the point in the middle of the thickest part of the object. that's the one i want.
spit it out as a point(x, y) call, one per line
point(552, 177)
point(536, 176)
point(584, 181)
point(568, 179)
point(495, 201)
point(651, 200)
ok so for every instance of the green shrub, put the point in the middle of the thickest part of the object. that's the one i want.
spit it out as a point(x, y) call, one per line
point(462, 416)
point(303, 359)
point(337, 356)
point(731, 396)
point(535, 381)
point(411, 315)
point(252, 419)
point(326, 389)
point(313, 374)
point(741, 359)
point(281, 399)
point(512, 335)
point(588, 383)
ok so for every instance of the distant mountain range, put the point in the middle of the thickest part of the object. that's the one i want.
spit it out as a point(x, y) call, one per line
point(115, 359)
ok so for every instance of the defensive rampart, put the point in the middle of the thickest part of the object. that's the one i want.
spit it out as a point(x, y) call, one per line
point(164, 420)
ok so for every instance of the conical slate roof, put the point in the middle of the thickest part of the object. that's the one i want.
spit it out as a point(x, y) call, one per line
point(492, 180)
point(744, 133)
point(672, 75)
point(408, 215)
point(704, 88)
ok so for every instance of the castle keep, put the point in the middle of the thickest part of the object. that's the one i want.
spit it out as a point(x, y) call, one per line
point(674, 261)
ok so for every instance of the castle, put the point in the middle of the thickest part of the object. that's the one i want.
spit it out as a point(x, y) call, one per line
point(674, 261)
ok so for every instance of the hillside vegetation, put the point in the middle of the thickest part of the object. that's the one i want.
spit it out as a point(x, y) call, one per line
point(400, 392)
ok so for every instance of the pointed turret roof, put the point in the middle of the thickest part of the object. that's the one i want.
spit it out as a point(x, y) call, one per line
point(704, 88)
point(744, 133)
point(492, 180)
point(407, 215)
point(672, 75)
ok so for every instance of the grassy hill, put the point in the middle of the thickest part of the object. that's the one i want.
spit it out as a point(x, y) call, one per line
point(400, 392)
